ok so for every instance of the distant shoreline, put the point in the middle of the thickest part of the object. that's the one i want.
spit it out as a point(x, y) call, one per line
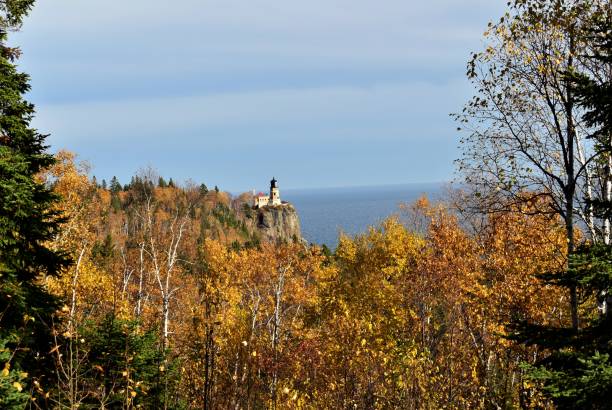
point(415, 185)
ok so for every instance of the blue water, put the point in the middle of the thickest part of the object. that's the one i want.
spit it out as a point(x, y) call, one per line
point(324, 213)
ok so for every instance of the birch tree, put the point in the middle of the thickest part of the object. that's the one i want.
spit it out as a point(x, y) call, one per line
point(164, 221)
point(84, 288)
point(526, 137)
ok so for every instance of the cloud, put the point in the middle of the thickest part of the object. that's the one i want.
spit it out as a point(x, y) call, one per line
point(402, 107)
point(238, 34)
point(290, 15)
point(224, 82)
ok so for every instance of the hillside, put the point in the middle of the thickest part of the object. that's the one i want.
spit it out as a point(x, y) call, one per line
point(212, 214)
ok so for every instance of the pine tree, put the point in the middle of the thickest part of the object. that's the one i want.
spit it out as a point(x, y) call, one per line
point(102, 252)
point(161, 182)
point(115, 186)
point(27, 224)
point(115, 202)
point(129, 359)
point(578, 372)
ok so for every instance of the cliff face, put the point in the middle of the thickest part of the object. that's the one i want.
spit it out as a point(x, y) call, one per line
point(278, 223)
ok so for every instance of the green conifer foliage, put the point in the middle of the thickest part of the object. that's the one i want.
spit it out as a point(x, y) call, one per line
point(27, 223)
point(129, 363)
point(115, 186)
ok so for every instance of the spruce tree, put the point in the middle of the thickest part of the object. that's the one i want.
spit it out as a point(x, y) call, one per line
point(27, 224)
point(577, 374)
point(115, 202)
point(131, 360)
point(115, 186)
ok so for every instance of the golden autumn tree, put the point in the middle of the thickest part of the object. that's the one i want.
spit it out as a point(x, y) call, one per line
point(86, 291)
point(497, 261)
point(102, 359)
point(525, 133)
point(369, 354)
point(416, 320)
point(252, 311)
point(411, 314)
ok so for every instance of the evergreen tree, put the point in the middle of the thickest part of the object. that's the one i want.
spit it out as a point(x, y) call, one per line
point(104, 186)
point(115, 202)
point(115, 186)
point(27, 224)
point(203, 189)
point(578, 372)
point(140, 188)
point(171, 183)
point(129, 360)
point(161, 182)
point(102, 252)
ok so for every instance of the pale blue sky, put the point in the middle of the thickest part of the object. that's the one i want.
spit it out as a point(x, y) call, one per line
point(230, 92)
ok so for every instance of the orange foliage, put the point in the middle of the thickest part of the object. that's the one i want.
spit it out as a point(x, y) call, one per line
point(406, 315)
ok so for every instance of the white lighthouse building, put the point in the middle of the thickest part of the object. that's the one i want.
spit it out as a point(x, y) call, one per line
point(260, 200)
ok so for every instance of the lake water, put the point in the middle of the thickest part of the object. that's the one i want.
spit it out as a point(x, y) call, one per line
point(324, 213)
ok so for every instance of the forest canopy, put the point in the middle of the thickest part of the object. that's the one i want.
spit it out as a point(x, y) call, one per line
point(157, 294)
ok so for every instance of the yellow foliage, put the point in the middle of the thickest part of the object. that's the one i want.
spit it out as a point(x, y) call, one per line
point(410, 314)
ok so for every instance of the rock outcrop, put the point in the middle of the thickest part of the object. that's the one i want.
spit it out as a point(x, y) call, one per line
point(278, 223)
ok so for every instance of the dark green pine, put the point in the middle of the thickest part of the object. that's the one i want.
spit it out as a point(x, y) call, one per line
point(27, 225)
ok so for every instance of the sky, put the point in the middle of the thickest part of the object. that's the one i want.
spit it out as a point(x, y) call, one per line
point(317, 93)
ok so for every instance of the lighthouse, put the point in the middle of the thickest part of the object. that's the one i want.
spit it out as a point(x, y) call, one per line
point(274, 193)
point(260, 200)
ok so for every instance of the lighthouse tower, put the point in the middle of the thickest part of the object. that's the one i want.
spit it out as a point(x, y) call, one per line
point(274, 193)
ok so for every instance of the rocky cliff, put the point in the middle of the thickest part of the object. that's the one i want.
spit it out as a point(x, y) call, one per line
point(278, 223)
